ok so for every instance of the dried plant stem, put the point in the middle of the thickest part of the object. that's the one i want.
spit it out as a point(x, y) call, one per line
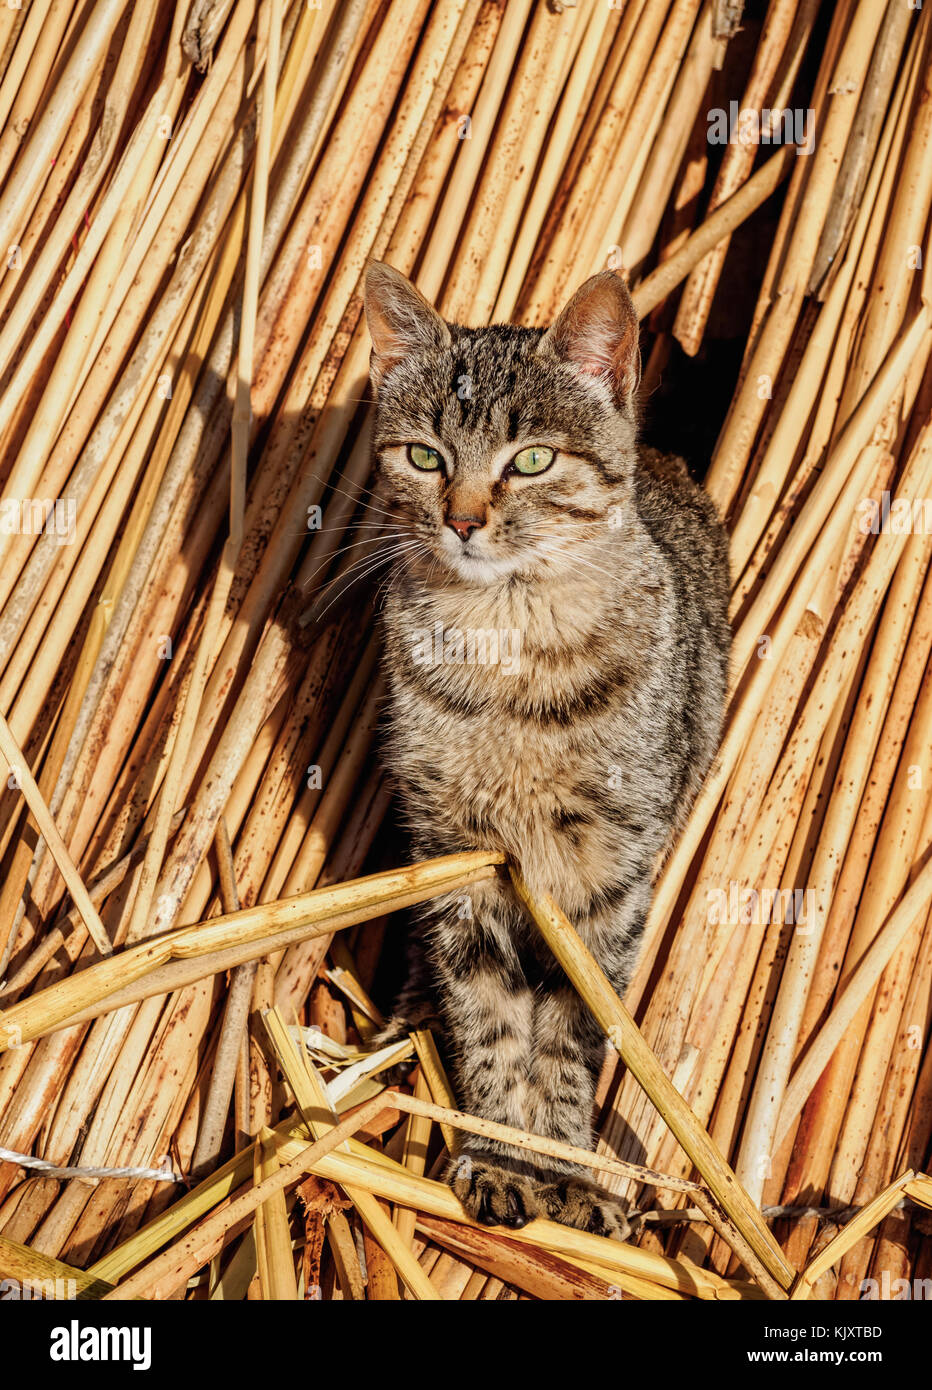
point(253, 931)
point(49, 831)
point(696, 300)
point(386, 1179)
point(735, 442)
point(146, 889)
point(44, 138)
point(775, 1063)
point(233, 1029)
point(656, 286)
point(623, 1033)
point(312, 1101)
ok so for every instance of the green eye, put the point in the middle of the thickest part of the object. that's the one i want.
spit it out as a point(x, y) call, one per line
point(423, 457)
point(533, 460)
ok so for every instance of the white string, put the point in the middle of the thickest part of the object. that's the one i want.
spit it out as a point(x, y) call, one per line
point(51, 1170)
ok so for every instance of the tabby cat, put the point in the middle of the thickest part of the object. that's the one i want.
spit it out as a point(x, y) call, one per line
point(556, 642)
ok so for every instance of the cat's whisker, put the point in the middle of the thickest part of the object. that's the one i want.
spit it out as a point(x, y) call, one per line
point(403, 569)
point(367, 506)
point(359, 490)
point(542, 530)
point(341, 473)
point(353, 545)
point(385, 553)
point(365, 572)
point(367, 526)
point(318, 616)
point(386, 550)
point(578, 559)
point(357, 526)
point(359, 500)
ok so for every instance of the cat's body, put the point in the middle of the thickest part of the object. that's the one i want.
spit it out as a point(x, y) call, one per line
point(597, 597)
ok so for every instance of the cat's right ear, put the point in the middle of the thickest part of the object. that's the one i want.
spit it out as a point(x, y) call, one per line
point(400, 319)
point(597, 334)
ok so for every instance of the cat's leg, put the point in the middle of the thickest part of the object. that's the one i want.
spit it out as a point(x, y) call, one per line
point(489, 1011)
point(568, 1049)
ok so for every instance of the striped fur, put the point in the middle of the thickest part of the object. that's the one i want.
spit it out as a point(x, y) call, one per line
point(579, 760)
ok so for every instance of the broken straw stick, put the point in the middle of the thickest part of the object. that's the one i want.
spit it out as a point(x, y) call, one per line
point(537, 1143)
point(849, 1235)
point(69, 936)
point(49, 830)
point(386, 1179)
point(33, 1271)
point(655, 287)
point(320, 1117)
point(232, 1030)
point(206, 947)
point(584, 972)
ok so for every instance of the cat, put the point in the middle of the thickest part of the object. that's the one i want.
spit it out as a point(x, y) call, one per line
point(522, 517)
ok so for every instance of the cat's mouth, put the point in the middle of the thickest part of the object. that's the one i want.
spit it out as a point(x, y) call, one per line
point(475, 564)
point(477, 568)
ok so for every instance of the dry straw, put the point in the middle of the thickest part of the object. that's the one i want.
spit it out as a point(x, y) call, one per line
point(196, 886)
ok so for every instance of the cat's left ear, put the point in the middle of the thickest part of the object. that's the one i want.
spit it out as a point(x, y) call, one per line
point(400, 319)
point(597, 333)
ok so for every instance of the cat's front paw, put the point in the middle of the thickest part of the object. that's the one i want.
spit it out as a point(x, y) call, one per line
point(491, 1194)
point(574, 1203)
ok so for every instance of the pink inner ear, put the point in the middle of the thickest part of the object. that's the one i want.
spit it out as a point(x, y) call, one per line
point(627, 361)
point(596, 347)
point(598, 333)
point(602, 351)
point(387, 343)
point(400, 319)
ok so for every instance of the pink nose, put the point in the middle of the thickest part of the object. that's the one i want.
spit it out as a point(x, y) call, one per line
point(464, 525)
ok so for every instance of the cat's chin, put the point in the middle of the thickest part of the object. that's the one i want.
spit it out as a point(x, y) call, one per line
point(480, 570)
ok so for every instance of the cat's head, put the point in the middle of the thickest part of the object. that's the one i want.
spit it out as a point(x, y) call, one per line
point(502, 449)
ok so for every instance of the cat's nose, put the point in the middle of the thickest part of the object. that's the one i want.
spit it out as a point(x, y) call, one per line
point(464, 525)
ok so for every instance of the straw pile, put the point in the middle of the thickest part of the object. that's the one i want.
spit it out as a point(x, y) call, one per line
point(187, 946)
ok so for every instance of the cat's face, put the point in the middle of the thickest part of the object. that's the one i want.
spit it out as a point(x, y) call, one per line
point(500, 453)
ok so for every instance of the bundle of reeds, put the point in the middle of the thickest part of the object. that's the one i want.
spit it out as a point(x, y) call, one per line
point(197, 880)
